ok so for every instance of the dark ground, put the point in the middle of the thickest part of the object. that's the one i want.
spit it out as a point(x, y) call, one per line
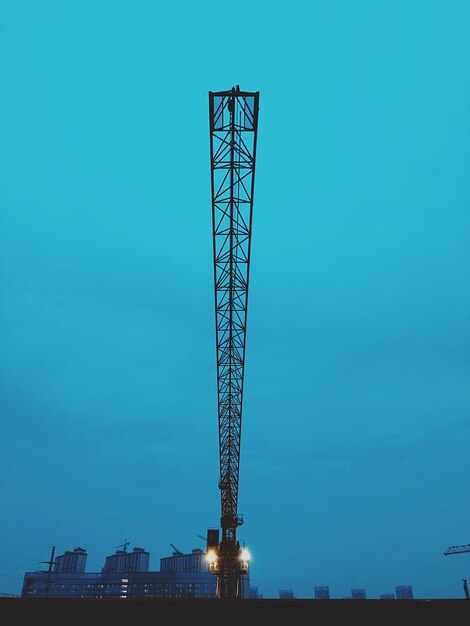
point(239, 613)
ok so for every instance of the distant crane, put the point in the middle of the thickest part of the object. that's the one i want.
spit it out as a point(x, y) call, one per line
point(457, 549)
point(51, 562)
point(460, 550)
point(176, 551)
point(233, 119)
point(124, 545)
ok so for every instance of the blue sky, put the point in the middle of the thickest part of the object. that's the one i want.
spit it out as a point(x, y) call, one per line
point(355, 466)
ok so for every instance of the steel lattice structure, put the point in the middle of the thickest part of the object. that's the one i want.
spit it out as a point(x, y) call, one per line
point(457, 549)
point(233, 134)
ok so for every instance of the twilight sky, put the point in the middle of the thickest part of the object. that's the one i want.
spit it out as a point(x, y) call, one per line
point(355, 466)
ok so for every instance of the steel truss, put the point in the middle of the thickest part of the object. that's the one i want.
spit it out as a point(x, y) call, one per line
point(457, 549)
point(233, 134)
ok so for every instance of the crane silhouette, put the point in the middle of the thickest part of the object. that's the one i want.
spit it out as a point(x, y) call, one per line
point(460, 550)
point(124, 545)
point(176, 551)
point(233, 118)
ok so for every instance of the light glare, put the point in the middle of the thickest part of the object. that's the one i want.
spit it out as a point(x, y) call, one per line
point(211, 556)
point(245, 555)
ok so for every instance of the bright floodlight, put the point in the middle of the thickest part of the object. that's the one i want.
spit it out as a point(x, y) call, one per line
point(211, 556)
point(245, 555)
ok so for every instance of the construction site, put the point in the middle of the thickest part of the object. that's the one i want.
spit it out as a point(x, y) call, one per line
point(233, 123)
point(234, 312)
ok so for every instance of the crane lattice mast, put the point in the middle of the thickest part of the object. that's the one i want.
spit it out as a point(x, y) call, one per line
point(233, 133)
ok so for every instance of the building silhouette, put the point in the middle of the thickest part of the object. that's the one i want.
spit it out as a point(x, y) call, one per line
point(254, 593)
point(404, 592)
point(358, 594)
point(126, 575)
point(179, 562)
point(123, 561)
point(322, 593)
point(286, 594)
point(387, 596)
point(71, 562)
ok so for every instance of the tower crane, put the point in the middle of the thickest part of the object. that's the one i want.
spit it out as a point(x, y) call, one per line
point(233, 119)
point(124, 545)
point(176, 551)
point(51, 562)
point(460, 550)
point(457, 549)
